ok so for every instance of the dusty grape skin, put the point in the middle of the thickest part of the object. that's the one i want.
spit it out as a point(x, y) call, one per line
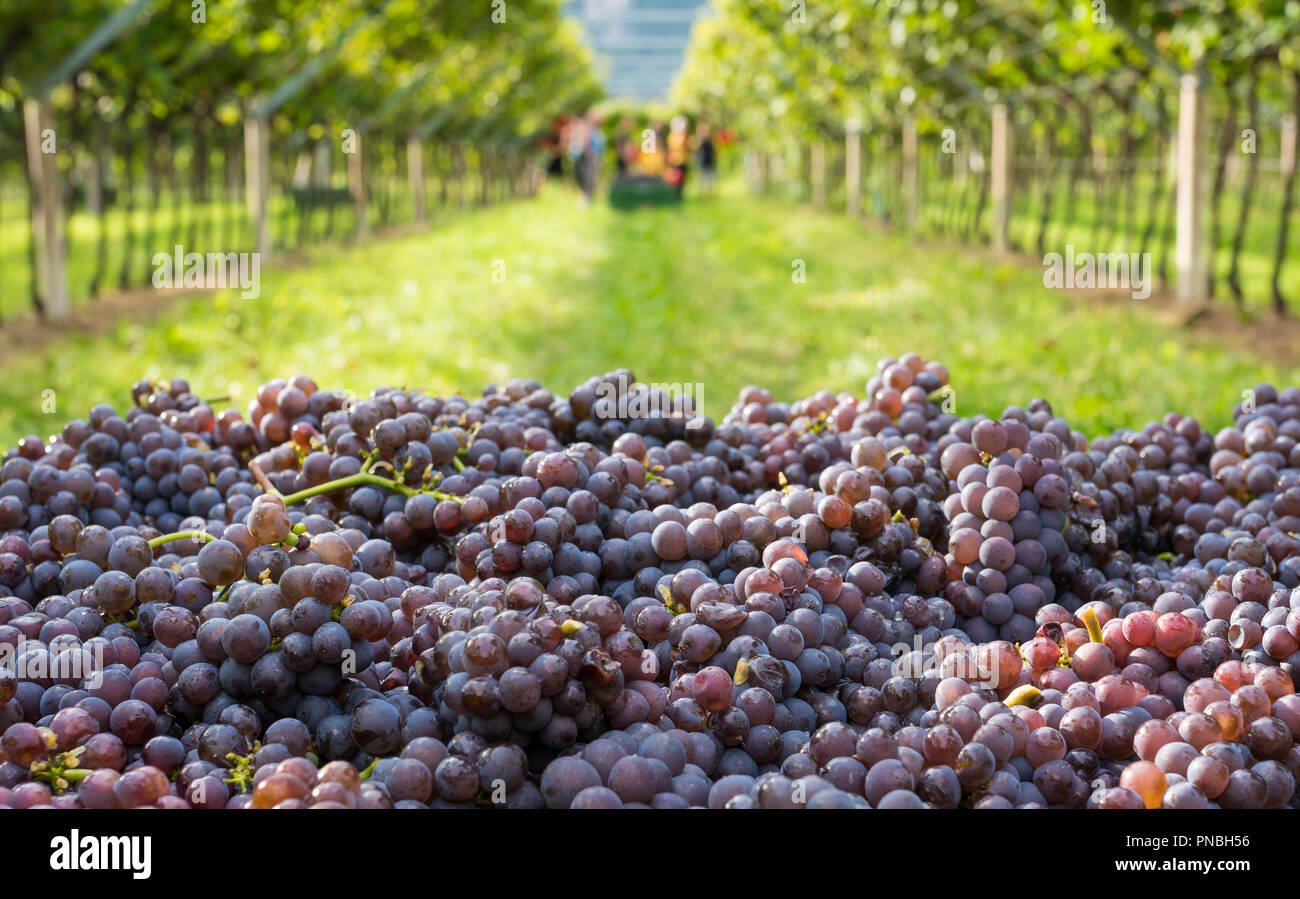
point(661, 605)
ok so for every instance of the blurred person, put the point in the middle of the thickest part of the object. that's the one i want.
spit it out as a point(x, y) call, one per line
point(678, 153)
point(624, 146)
point(553, 144)
point(587, 149)
point(707, 154)
point(575, 141)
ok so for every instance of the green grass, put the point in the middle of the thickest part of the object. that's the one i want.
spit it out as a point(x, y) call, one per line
point(1100, 223)
point(1097, 222)
point(83, 249)
point(700, 294)
point(218, 225)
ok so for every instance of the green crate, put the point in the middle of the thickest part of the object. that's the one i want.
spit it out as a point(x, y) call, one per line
point(642, 190)
point(319, 197)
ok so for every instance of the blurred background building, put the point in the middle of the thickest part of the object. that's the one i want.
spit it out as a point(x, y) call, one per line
point(640, 42)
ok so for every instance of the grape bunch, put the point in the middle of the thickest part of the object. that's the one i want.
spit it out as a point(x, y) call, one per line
point(608, 600)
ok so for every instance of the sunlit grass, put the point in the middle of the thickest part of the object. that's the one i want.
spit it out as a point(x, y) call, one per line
point(701, 294)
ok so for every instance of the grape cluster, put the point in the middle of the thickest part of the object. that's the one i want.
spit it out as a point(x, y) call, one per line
point(524, 600)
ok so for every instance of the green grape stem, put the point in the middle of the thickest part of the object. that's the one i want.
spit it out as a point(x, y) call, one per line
point(241, 771)
point(180, 535)
point(364, 477)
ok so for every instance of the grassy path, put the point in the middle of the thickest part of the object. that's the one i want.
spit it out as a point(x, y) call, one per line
point(703, 294)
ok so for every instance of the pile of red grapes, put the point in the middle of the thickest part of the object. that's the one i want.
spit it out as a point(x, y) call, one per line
point(523, 600)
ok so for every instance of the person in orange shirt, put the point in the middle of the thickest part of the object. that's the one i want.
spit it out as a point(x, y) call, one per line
point(650, 159)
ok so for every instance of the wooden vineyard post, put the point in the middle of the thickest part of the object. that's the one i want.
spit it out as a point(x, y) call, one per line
point(911, 194)
point(257, 181)
point(415, 177)
point(320, 164)
point(1189, 233)
point(754, 172)
point(357, 185)
point(1000, 178)
point(47, 235)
